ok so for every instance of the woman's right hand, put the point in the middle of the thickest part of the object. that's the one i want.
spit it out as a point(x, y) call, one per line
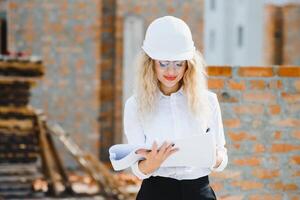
point(155, 157)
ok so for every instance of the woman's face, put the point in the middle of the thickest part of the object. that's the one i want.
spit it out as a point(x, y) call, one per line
point(169, 73)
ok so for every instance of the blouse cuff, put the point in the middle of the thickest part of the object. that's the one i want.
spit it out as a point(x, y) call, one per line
point(135, 169)
point(223, 164)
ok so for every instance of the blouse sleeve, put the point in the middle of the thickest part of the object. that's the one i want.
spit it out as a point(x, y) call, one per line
point(217, 127)
point(134, 132)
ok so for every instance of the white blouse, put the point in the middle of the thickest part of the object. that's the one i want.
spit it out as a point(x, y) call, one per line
point(173, 120)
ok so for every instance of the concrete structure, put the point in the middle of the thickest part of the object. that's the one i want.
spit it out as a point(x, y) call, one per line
point(239, 33)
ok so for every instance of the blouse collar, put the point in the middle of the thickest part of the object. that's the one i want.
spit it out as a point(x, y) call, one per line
point(177, 93)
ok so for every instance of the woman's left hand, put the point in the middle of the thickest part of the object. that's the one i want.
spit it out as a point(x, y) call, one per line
point(219, 159)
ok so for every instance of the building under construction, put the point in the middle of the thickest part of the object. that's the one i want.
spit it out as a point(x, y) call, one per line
point(85, 73)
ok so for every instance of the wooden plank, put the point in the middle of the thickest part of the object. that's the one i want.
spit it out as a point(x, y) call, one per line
point(59, 164)
point(49, 164)
point(23, 124)
point(9, 79)
point(97, 170)
point(25, 110)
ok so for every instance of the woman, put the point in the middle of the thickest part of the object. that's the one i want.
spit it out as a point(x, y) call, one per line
point(171, 101)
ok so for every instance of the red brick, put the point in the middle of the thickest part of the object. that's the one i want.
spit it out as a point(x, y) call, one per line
point(258, 148)
point(291, 98)
point(294, 197)
point(277, 135)
point(275, 84)
point(12, 5)
point(295, 159)
point(265, 173)
point(56, 27)
point(217, 186)
point(296, 134)
point(248, 109)
point(247, 161)
point(235, 146)
point(232, 123)
point(289, 71)
point(137, 9)
point(297, 85)
point(265, 197)
point(241, 136)
point(282, 186)
point(291, 26)
point(289, 122)
point(171, 10)
point(296, 173)
point(227, 174)
point(215, 83)
point(236, 85)
point(219, 71)
point(259, 97)
point(274, 109)
point(248, 185)
point(257, 84)
point(283, 148)
point(272, 44)
point(255, 71)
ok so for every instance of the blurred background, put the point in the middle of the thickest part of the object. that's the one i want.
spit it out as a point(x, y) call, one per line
point(87, 49)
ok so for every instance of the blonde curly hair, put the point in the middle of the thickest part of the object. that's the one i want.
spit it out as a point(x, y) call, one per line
point(194, 83)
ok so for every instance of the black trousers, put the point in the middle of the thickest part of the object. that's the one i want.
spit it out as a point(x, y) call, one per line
point(163, 188)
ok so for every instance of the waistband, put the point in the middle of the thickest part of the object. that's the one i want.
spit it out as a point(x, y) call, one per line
point(200, 182)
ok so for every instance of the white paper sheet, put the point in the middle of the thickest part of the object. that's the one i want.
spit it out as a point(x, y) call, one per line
point(198, 150)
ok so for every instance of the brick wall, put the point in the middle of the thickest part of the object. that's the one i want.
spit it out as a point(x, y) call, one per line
point(66, 36)
point(273, 35)
point(291, 35)
point(281, 35)
point(190, 11)
point(111, 93)
point(261, 115)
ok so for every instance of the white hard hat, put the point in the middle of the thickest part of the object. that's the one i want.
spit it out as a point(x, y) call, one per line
point(169, 38)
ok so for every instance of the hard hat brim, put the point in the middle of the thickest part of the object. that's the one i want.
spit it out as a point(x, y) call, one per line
point(186, 55)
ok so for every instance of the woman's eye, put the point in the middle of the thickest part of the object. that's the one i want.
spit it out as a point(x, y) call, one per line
point(163, 64)
point(179, 64)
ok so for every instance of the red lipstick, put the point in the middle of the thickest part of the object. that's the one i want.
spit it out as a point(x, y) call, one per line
point(170, 78)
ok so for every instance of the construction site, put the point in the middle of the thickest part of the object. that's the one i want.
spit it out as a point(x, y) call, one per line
point(66, 71)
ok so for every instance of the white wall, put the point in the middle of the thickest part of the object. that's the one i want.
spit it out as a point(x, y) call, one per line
point(133, 38)
point(214, 31)
point(227, 20)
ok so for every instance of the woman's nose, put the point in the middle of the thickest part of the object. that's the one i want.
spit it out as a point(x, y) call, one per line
point(171, 69)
